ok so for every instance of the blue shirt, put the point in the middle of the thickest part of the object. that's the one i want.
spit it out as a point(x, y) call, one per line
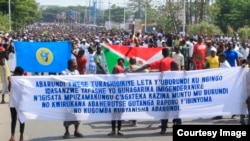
point(232, 56)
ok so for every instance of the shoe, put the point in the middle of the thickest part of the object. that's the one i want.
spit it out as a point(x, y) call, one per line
point(242, 122)
point(163, 132)
point(78, 135)
point(119, 133)
point(218, 117)
point(66, 135)
point(12, 139)
point(21, 139)
point(112, 134)
point(3, 102)
point(177, 123)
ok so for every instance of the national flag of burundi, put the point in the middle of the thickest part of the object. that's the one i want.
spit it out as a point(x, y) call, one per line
point(42, 56)
point(142, 55)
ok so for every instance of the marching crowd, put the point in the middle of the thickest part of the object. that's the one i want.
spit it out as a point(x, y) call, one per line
point(180, 52)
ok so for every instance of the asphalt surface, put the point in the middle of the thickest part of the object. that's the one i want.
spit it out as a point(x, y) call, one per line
point(40, 130)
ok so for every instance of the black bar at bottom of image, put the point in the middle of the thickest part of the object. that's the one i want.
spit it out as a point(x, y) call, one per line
point(211, 132)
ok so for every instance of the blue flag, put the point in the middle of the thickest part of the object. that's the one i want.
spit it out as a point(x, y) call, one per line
point(72, 14)
point(43, 56)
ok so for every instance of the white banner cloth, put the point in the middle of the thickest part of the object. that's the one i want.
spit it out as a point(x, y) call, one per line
point(138, 96)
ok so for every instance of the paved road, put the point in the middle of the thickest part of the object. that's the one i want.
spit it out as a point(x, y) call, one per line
point(94, 130)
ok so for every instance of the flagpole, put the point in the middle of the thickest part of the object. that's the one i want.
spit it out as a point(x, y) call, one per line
point(146, 8)
point(124, 16)
point(9, 16)
point(184, 16)
point(109, 16)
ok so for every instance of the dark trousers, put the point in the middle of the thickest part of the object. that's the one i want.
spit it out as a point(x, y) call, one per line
point(177, 121)
point(164, 123)
point(248, 122)
point(119, 125)
point(13, 114)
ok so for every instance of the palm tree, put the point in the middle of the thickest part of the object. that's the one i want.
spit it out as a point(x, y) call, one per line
point(137, 6)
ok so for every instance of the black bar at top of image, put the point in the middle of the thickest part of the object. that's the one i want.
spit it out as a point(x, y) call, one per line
point(211, 132)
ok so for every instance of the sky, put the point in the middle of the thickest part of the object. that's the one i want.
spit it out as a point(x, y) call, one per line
point(102, 3)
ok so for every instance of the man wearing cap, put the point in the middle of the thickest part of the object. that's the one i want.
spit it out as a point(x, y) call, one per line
point(84, 45)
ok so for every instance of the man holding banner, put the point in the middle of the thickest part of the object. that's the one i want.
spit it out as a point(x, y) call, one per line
point(162, 65)
point(119, 68)
point(72, 70)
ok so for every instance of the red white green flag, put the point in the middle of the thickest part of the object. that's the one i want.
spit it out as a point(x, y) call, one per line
point(143, 55)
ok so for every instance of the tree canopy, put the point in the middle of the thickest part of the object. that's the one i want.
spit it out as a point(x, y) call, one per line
point(167, 16)
point(234, 13)
point(23, 12)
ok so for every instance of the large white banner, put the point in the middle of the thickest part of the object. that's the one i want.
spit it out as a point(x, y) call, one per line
point(140, 96)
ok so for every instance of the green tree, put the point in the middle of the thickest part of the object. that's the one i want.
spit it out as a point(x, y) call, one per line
point(116, 14)
point(23, 12)
point(139, 6)
point(204, 28)
point(234, 13)
point(49, 15)
point(4, 23)
point(244, 33)
point(149, 12)
point(83, 14)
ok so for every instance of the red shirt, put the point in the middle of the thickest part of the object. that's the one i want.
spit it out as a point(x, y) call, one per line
point(2, 48)
point(81, 63)
point(119, 69)
point(161, 65)
point(199, 52)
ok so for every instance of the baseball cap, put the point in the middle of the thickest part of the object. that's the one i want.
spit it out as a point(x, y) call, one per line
point(213, 49)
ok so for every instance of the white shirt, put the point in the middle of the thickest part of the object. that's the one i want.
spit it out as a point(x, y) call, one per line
point(190, 48)
point(91, 65)
point(225, 64)
point(179, 59)
point(159, 43)
point(84, 47)
point(244, 52)
point(68, 72)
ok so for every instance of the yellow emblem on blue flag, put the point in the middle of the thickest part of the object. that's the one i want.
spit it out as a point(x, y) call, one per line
point(44, 56)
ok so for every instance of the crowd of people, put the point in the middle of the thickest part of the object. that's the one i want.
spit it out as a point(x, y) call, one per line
point(180, 52)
